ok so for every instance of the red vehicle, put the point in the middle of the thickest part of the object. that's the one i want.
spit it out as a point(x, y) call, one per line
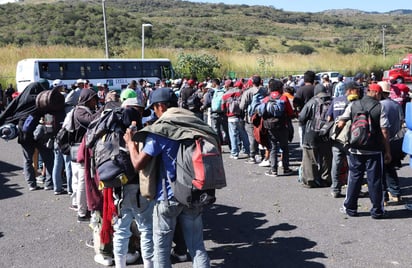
point(402, 74)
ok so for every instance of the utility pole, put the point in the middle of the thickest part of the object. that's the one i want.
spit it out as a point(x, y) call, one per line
point(105, 30)
point(383, 40)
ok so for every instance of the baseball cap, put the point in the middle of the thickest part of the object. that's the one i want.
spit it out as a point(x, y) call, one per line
point(80, 81)
point(162, 95)
point(58, 83)
point(375, 87)
point(351, 85)
point(386, 87)
point(132, 102)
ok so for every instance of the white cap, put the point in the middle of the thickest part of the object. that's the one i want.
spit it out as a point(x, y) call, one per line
point(99, 84)
point(58, 83)
point(79, 81)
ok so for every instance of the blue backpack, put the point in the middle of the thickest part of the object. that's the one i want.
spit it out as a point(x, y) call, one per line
point(216, 104)
point(256, 101)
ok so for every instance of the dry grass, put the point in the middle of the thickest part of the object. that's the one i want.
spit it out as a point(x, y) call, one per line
point(244, 64)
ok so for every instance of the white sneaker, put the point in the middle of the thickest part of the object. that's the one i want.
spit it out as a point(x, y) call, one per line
point(103, 260)
point(280, 164)
point(132, 257)
point(264, 163)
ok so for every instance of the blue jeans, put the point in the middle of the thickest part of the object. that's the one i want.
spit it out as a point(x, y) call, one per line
point(338, 158)
point(165, 216)
point(59, 160)
point(143, 216)
point(238, 133)
point(47, 156)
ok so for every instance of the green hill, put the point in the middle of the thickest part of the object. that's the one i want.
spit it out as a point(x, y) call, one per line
point(183, 24)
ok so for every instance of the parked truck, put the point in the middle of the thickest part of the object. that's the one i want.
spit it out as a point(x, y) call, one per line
point(400, 72)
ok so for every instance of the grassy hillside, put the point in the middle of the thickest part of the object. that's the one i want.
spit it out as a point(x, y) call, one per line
point(246, 39)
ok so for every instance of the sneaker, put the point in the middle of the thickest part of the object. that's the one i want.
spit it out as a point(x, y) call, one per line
point(336, 194)
point(103, 259)
point(394, 198)
point(60, 192)
point(264, 163)
point(344, 211)
point(180, 258)
point(34, 188)
point(83, 218)
point(234, 157)
point(280, 164)
point(90, 243)
point(73, 207)
point(48, 188)
point(288, 171)
point(251, 160)
point(271, 173)
point(132, 257)
point(40, 179)
point(69, 193)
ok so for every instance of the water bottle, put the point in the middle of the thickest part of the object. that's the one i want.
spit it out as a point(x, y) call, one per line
point(133, 126)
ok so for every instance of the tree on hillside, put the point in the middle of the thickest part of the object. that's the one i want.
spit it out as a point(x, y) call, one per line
point(201, 66)
point(251, 43)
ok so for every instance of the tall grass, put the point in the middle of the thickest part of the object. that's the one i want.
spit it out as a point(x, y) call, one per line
point(243, 64)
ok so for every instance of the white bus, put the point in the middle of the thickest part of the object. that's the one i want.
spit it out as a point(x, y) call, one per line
point(116, 73)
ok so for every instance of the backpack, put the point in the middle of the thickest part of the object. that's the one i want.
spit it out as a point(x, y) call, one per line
point(273, 113)
point(259, 131)
point(65, 136)
point(112, 161)
point(361, 127)
point(256, 101)
point(233, 104)
point(216, 104)
point(199, 172)
point(194, 102)
point(319, 122)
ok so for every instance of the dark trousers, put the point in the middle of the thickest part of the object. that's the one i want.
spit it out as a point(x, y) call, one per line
point(47, 156)
point(316, 164)
point(253, 145)
point(391, 180)
point(279, 139)
point(219, 124)
point(372, 164)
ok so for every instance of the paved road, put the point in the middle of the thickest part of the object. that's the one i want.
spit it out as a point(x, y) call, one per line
point(258, 221)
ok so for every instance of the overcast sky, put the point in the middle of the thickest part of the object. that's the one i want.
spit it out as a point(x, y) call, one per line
point(321, 5)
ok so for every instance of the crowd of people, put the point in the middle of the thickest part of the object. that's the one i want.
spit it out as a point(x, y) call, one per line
point(238, 110)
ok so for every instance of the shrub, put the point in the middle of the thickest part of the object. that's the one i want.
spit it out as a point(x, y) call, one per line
point(301, 49)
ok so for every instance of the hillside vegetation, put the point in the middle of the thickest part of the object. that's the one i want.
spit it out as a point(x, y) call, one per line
point(245, 38)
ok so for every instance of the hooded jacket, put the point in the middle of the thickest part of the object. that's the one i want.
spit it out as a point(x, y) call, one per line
point(83, 115)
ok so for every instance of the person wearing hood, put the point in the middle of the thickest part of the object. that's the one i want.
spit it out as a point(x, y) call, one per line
point(21, 108)
point(84, 113)
point(317, 153)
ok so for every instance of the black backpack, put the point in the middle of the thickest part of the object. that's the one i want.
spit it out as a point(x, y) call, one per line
point(361, 130)
point(320, 124)
point(194, 102)
point(111, 159)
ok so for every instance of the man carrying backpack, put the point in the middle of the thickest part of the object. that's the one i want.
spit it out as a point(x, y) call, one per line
point(237, 131)
point(368, 156)
point(168, 210)
point(218, 118)
point(317, 153)
point(256, 92)
point(277, 115)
